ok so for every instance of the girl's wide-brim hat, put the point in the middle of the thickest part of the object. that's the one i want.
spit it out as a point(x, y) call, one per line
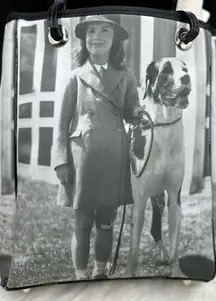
point(80, 30)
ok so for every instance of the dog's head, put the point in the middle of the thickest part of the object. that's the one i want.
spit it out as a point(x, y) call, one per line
point(168, 82)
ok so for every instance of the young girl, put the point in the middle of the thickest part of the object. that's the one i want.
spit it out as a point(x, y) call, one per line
point(92, 148)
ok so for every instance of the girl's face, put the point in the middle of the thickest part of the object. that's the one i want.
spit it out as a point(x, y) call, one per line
point(99, 38)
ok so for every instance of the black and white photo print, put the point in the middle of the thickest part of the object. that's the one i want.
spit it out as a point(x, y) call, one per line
point(113, 153)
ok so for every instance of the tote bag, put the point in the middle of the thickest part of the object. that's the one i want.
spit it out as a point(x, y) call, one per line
point(107, 169)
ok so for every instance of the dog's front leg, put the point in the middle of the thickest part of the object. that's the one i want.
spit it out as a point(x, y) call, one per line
point(136, 226)
point(158, 206)
point(174, 220)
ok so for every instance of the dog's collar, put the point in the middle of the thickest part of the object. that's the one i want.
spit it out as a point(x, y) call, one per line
point(166, 123)
point(147, 124)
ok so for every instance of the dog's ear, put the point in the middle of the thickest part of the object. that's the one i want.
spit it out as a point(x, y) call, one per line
point(167, 68)
point(151, 75)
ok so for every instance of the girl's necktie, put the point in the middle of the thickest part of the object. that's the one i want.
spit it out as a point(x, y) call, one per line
point(101, 72)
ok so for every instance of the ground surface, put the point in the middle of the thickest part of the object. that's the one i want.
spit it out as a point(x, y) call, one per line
point(7, 211)
point(43, 234)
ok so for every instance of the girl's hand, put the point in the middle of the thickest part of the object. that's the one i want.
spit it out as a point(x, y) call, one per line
point(138, 111)
point(63, 173)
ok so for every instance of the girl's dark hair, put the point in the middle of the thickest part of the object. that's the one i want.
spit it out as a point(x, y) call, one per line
point(116, 58)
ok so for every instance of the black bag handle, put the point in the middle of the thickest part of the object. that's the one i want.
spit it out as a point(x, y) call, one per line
point(58, 34)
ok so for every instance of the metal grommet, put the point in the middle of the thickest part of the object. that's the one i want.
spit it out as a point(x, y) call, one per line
point(179, 40)
point(64, 36)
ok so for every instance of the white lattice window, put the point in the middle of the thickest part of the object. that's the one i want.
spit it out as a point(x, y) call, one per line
point(47, 69)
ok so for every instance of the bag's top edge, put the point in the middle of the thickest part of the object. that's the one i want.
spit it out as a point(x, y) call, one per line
point(141, 11)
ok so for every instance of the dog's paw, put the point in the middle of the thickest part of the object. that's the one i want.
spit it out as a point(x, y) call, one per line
point(164, 254)
point(177, 272)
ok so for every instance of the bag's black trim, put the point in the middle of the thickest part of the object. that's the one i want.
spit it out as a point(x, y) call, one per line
point(108, 280)
point(142, 11)
point(15, 110)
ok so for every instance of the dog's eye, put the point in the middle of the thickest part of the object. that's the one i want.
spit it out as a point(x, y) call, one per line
point(185, 69)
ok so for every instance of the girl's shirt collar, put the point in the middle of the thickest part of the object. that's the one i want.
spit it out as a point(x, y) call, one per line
point(105, 66)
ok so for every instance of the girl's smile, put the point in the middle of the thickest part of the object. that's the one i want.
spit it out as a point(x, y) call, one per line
point(99, 38)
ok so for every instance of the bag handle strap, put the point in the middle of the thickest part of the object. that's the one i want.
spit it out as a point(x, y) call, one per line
point(58, 34)
point(194, 9)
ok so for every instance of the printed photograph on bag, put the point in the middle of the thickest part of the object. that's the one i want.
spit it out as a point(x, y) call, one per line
point(113, 152)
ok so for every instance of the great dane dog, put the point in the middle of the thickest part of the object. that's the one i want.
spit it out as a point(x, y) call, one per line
point(166, 91)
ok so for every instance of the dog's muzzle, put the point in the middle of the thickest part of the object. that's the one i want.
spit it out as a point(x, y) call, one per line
point(183, 98)
point(180, 100)
point(182, 103)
